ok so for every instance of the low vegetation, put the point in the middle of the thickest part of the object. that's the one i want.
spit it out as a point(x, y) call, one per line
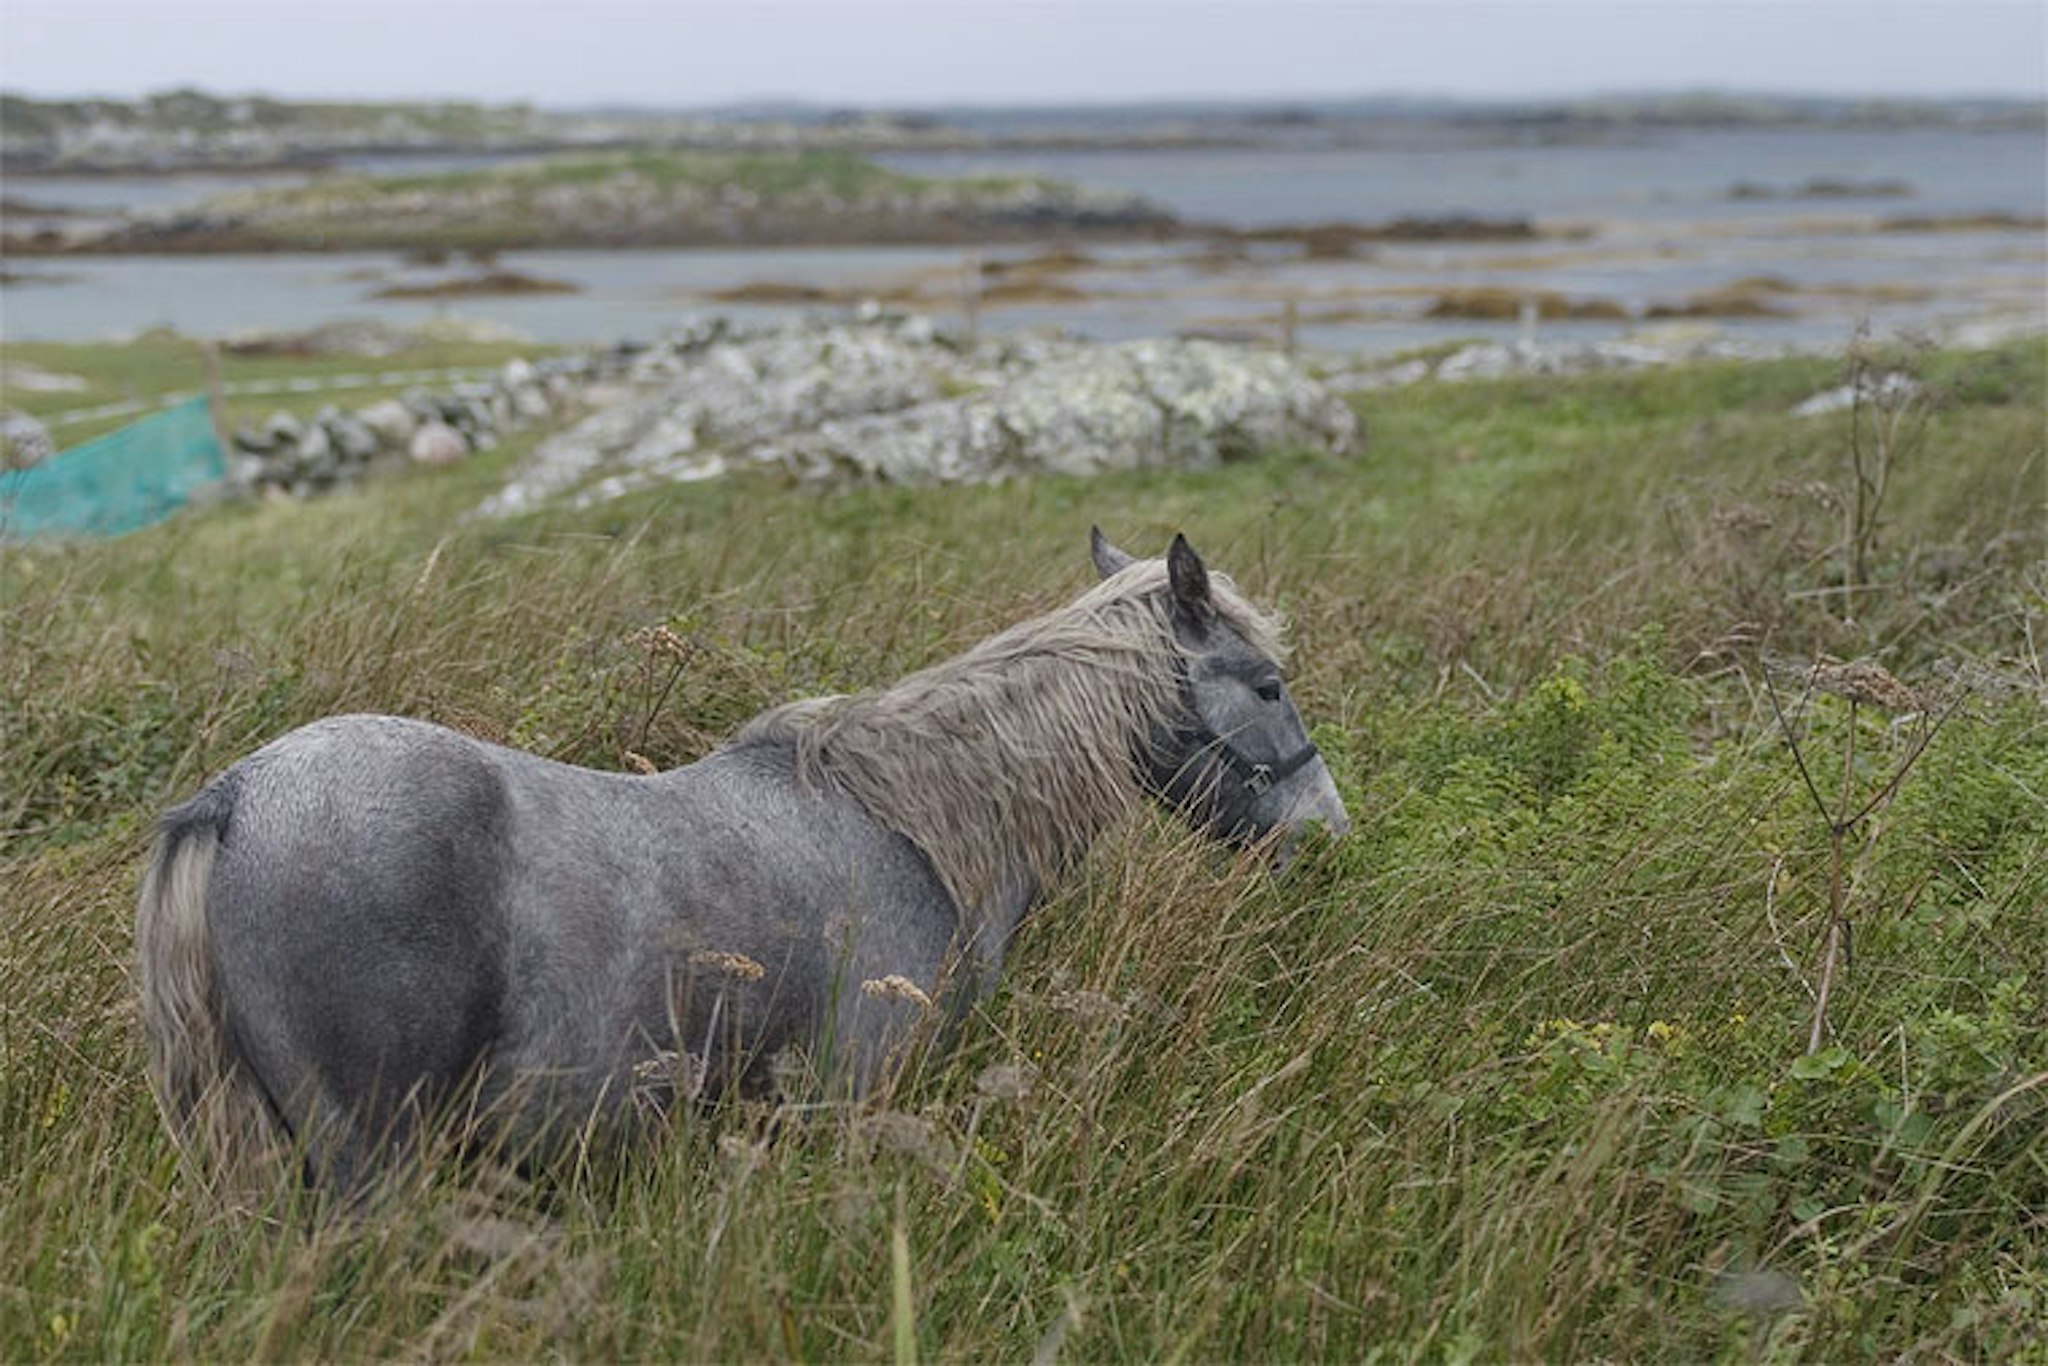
point(1521, 1070)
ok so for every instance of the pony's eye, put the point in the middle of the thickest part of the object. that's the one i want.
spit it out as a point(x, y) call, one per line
point(1269, 691)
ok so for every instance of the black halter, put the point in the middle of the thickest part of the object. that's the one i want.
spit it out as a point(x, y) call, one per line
point(1256, 777)
point(1259, 777)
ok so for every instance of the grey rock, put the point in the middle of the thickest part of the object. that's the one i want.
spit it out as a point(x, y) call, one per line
point(436, 443)
point(1141, 405)
point(23, 441)
point(313, 449)
point(1389, 377)
point(281, 430)
point(252, 439)
point(392, 421)
point(248, 471)
point(1889, 391)
point(354, 439)
point(723, 390)
point(891, 400)
point(530, 403)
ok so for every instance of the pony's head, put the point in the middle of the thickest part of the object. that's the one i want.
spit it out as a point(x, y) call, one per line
point(1235, 756)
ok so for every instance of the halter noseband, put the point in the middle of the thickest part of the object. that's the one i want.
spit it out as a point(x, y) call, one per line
point(1258, 777)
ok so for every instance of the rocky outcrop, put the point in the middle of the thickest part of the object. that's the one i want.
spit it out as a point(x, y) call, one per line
point(1140, 405)
point(891, 400)
point(1506, 360)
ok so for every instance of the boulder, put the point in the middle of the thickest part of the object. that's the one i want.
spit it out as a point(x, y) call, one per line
point(437, 443)
point(530, 403)
point(353, 439)
point(391, 421)
point(719, 390)
point(314, 451)
point(1141, 405)
point(1889, 391)
point(281, 430)
point(23, 441)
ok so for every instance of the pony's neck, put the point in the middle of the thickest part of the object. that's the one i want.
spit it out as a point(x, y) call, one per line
point(1005, 766)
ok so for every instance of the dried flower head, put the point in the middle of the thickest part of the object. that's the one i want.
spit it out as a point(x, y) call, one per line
point(1089, 1005)
point(896, 987)
point(737, 966)
point(742, 1152)
point(668, 1073)
point(909, 1135)
point(660, 640)
point(1007, 1080)
point(791, 1076)
point(493, 1237)
point(1866, 681)
point(1743, 518)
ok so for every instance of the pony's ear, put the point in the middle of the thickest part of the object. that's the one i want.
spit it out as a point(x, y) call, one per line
point(1108, 559)
point(1190, 582)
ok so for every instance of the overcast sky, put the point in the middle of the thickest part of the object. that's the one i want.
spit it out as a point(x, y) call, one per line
point(580, 52)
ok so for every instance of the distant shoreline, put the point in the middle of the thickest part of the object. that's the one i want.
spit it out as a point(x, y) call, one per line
point(191, 132)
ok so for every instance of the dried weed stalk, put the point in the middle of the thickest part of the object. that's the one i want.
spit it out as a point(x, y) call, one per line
point(1862, 683)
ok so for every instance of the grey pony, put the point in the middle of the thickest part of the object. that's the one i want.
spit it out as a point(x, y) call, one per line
point(372, 921)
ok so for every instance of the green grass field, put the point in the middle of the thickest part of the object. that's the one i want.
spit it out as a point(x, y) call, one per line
point(1517, 1071)
point(160, 365)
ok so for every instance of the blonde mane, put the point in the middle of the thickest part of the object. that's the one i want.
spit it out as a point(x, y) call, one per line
point(1019, 752)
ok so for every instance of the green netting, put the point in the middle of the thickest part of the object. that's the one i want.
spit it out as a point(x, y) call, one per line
point(118, 482)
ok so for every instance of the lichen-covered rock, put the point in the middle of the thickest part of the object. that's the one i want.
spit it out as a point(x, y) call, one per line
point(1141, 405)
point(701, 402)
point(892, 401)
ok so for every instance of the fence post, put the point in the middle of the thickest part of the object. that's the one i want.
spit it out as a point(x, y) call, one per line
point(970, 293)
point(216, 407)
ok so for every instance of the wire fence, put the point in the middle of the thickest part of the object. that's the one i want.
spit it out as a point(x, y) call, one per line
point(248, 388)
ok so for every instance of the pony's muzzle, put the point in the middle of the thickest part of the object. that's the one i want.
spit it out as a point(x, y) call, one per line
point(1317, 803)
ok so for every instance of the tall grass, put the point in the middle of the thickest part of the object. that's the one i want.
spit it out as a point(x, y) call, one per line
point(1518, 1070)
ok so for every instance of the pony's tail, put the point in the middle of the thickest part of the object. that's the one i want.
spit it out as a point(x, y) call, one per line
point(217, 1114)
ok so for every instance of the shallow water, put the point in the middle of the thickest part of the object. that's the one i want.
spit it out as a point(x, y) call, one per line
point(1664, 229)
point(1685, 175)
